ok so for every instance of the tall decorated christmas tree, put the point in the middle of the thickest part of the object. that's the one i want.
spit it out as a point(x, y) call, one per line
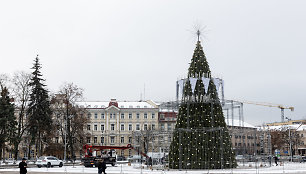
point(201, 139)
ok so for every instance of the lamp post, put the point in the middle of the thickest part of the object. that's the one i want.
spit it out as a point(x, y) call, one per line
point(290, 144)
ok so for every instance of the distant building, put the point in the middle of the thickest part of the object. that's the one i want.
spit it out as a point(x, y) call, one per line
point(245, 137)
point(116, 123)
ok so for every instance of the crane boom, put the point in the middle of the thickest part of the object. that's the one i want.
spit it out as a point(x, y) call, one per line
point(270, 105)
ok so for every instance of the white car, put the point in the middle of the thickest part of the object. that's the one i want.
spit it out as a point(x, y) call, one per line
point(48, 161)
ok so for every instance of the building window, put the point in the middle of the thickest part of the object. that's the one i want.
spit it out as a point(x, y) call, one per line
point(153, 115)
point(145, 115)
point(96, 115)
point(145, 127)
point(88, 115)
point(95, 127)
point(56, 139)
point(112, 140)
point(95, 140)
point(162, 116)
point(130, 127)
point(153, 126)
point(112, 127)
point(102, 127)
point(130, 116)
point(102, 116)
point(122, 140)
point(102, 140)
point(122, 116)
point(88, 140)
point(130, 152)
point(137, 115)
point(169, 126)
point(137, 127)
point(111, 115)
point(130, 140)
point(162, 126)
point(122, 127)
point(88, 127)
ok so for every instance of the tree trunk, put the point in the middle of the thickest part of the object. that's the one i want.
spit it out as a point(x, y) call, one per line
point(70, 138)
point(3, 152)
point(16, 144)
point(0, 152)
point(29, 151)
point(19, 132)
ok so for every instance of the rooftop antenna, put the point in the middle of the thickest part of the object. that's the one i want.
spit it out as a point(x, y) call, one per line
point(144, 92)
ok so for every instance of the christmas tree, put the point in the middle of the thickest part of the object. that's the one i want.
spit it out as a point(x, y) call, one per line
point(201, 139)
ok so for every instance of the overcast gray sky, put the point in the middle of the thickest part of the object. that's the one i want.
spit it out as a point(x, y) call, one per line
point(112, 48)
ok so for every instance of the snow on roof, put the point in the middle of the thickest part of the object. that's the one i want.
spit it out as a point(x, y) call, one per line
point(238, 123)
point(121, 104)
point(168, 110)
point(297, 127)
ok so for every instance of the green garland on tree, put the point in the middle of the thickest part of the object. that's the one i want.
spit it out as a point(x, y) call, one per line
point(201, 139)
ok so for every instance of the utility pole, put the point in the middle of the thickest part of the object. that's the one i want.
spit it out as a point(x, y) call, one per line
point(290, 144)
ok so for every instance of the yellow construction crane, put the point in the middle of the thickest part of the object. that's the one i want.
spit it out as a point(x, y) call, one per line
point(270, 105)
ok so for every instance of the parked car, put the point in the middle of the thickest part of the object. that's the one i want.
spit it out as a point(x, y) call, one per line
point(121, 158)
point(303, 159)
point(48, 161)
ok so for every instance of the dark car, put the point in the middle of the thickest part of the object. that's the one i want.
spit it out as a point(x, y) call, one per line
point(121, 158)
point(303, 159)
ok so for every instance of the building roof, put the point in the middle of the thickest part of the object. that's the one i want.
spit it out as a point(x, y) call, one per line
point(238, 123)
point(121, 104)
point(297, 127)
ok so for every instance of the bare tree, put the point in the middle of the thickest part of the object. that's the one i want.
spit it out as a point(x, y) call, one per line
point(4, 79)
point(21, 93)
point(281, 140)
point(68, 113)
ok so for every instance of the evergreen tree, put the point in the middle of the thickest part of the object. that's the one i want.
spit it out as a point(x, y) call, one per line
point(201, 139)
point(39, 111)
point(7, 120)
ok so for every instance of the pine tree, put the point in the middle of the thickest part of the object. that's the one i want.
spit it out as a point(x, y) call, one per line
point(39, 111)
point(201, 139)
point(7, 119)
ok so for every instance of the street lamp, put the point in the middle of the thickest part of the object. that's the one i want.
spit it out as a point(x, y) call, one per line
point(290, 145)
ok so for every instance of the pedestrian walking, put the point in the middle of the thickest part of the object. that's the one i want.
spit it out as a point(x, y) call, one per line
point(276, 160)
point(23, 166)
point(101, 166)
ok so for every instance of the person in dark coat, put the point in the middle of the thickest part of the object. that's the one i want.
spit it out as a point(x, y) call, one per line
point(276, 160)
point(23, 166)
point(101, 166)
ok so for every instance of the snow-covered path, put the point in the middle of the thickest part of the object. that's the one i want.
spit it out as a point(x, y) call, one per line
point(135, 169)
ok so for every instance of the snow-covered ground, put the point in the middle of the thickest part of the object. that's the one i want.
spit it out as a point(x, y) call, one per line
point(247, 168)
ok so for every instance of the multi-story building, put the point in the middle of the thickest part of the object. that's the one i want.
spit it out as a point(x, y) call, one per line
point(244, 137)
point(115, 122)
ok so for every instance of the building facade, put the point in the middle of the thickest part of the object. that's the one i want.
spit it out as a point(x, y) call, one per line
point(115, 123)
